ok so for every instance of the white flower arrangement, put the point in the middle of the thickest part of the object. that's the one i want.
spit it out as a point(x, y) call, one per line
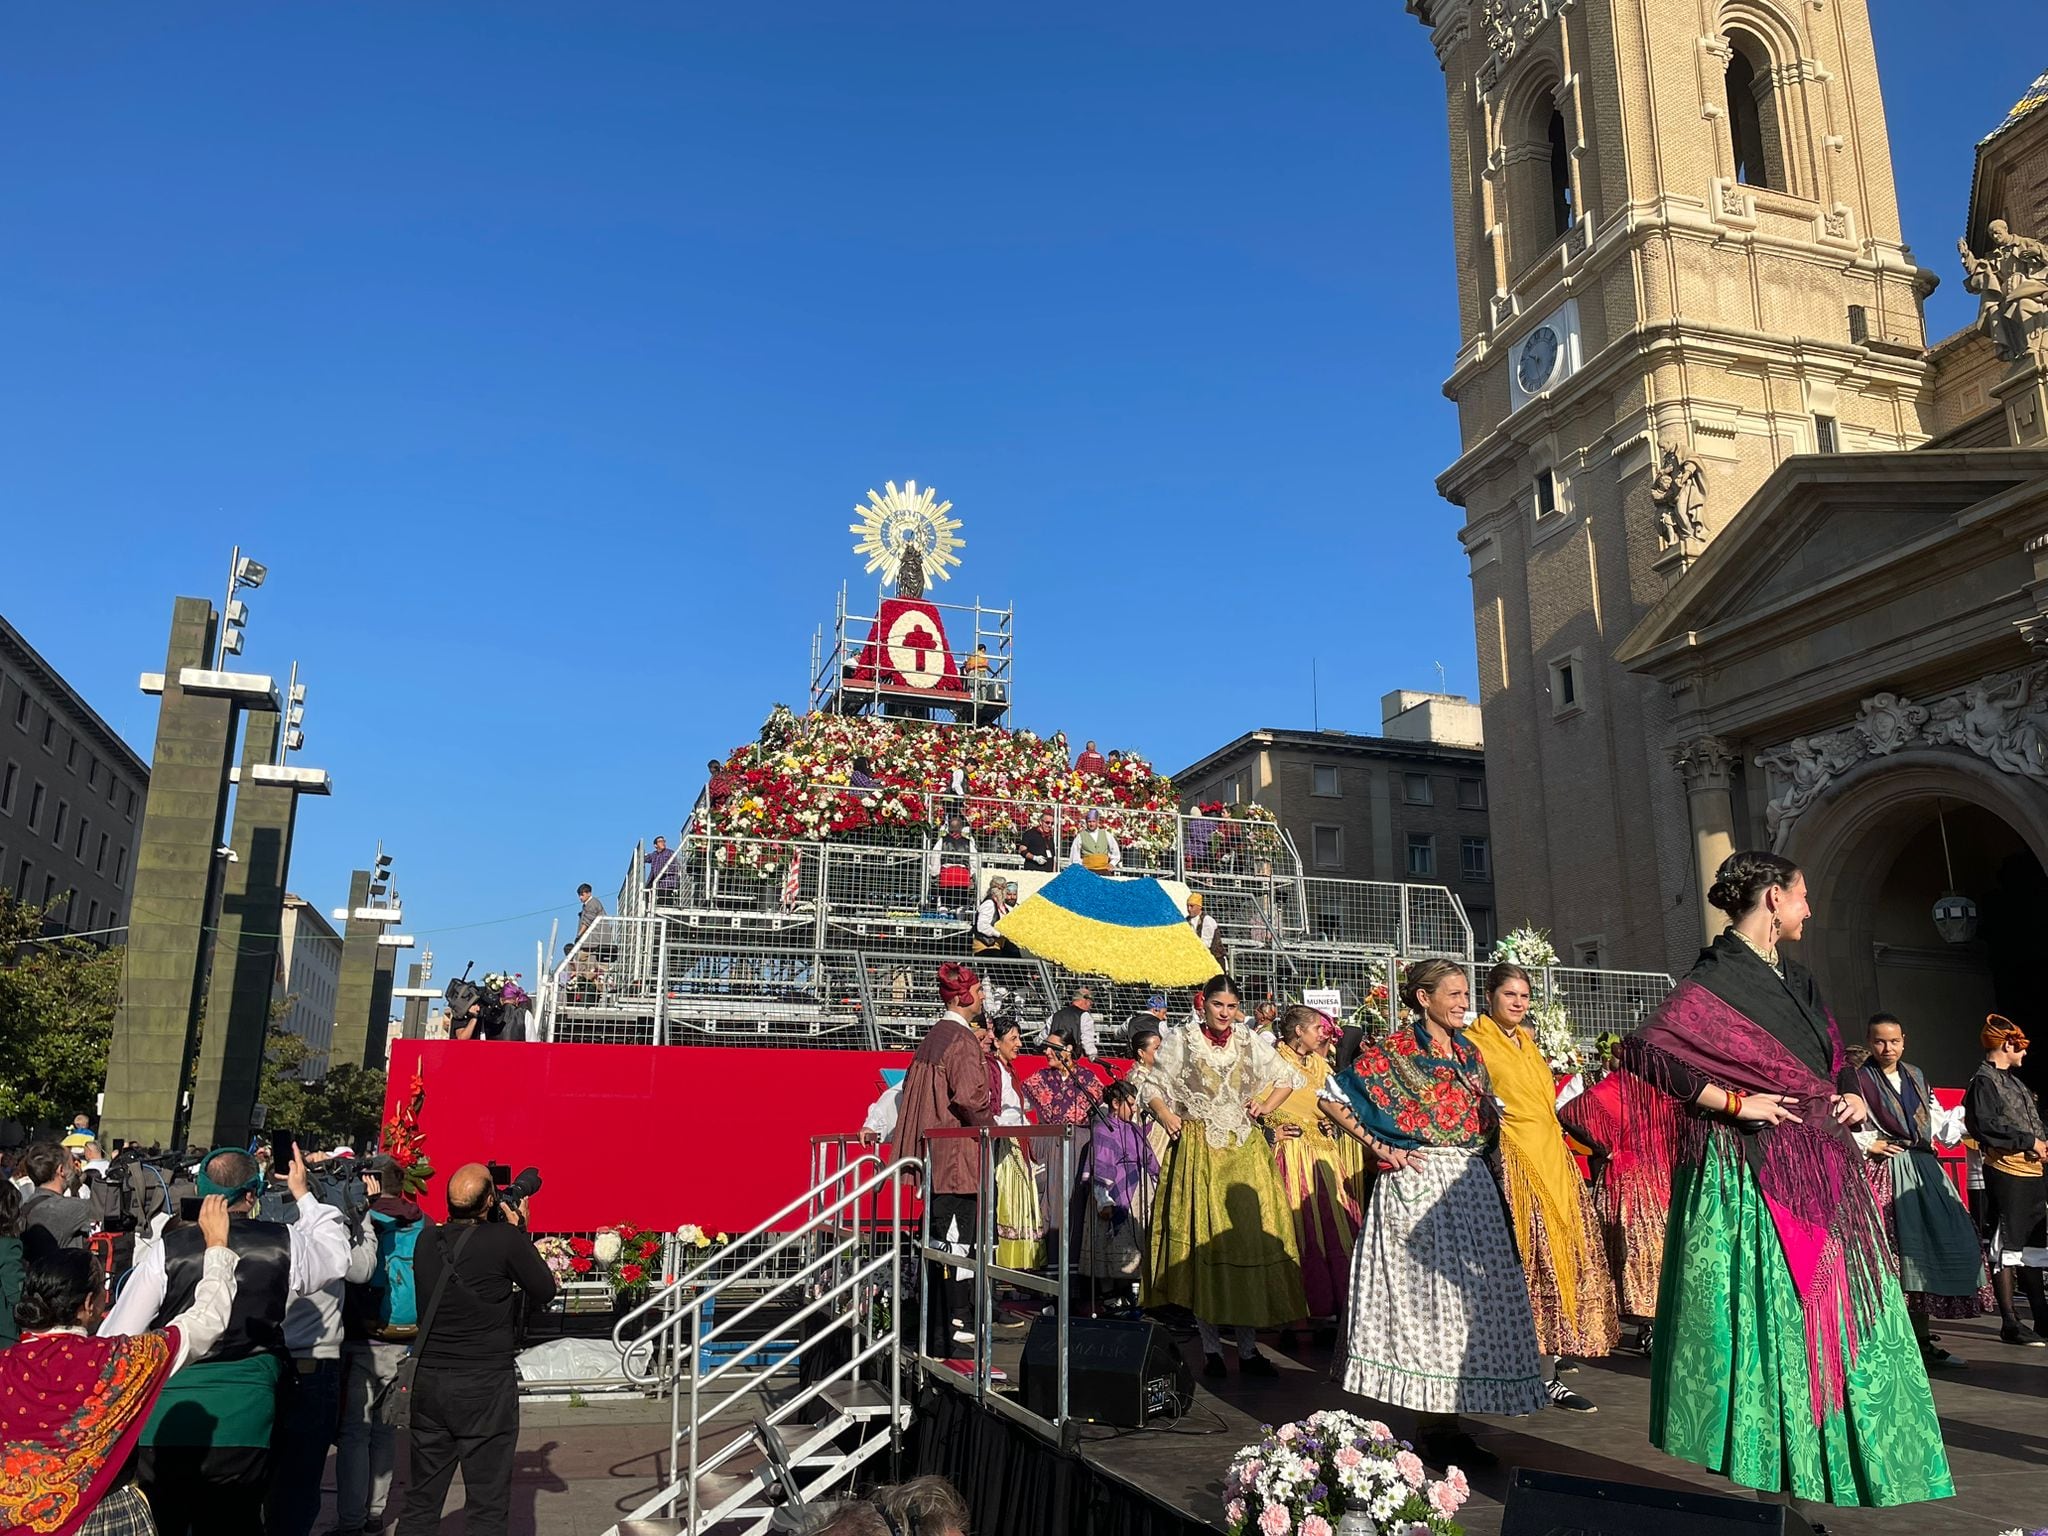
point(1304, 1478)
point(606, 1248)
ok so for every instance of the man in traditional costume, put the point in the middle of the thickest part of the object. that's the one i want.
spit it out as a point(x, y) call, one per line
point(1222, 1238)
point(945, 1087)
point(1440, 1318)
point(1557, 1231)
point(2004, 1120)
point(1785, 1359)
point(73, 1400)
point(1094, 847)
point(205, 1457)
point(1941, 1269)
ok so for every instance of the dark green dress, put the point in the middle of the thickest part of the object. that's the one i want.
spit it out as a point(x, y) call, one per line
point(1731, 1387)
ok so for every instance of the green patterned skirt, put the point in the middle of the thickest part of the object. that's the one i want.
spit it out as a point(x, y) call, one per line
point(1223, 1236)
point(1729, 1383)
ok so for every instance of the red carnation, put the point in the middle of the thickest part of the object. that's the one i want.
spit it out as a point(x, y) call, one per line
point(581, 1265)
point(630, 1274)
point(582, 1247)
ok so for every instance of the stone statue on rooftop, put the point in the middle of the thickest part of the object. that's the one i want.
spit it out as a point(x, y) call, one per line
point(2011, 284)
point(1679, 493)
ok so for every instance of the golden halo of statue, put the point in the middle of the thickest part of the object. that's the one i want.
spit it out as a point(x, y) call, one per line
point(894, 522)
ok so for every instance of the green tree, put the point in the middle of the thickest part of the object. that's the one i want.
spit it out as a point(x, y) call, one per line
point(57, 998)
point(346, 1105)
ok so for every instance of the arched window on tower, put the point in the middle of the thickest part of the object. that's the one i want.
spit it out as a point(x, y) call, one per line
point(1563, 212)
point(1753, 136)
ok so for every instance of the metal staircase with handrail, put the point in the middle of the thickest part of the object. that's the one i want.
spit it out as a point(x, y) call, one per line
point(849, 1244)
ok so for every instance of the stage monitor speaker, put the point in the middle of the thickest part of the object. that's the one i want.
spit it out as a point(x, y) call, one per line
point(1553, 1504)
point(1121, 1371)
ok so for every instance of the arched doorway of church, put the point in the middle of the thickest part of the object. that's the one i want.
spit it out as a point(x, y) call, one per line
point(1943, 988)
point(1872, 848)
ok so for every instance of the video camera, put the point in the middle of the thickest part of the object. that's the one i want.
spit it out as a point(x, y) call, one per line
point(498, 1000)
point(512, 1190)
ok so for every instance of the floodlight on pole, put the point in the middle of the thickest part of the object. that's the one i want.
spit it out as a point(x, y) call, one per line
point(242, 572)
point(291, 738)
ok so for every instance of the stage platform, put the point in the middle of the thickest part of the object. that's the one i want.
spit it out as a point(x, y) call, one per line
point(1994, 1417)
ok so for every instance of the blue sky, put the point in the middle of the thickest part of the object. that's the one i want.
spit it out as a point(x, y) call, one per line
point(542, 351)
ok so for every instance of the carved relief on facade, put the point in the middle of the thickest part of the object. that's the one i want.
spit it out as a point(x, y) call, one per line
point(1678, 490)
point(1705, 762)
point(2002, 718)
point(1507, 26)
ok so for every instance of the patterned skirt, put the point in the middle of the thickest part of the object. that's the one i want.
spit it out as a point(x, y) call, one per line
point(1222, 1241)
point(1113, 1247)
point(1325, 1219)
point(1440, 1318)
point(1729, 1388)
point(1634, 1231)
point(1595, 1330)
point(1020, 1225)
point(1935, 1251)
point(123, 1512)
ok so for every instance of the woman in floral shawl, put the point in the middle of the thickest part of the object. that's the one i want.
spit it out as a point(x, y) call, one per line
point(72, 1404)
point(1784, 1356)
point(1440, 1318)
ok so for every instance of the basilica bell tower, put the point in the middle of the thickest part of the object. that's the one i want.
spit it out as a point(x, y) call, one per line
point(1679, 262)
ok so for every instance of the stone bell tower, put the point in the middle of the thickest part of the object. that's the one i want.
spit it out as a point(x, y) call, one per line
point(1679, 262)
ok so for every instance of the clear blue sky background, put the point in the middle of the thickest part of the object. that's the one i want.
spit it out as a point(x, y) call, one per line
point(542, 351)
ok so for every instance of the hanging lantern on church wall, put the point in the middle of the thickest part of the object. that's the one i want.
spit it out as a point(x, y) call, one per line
point(1955, 918)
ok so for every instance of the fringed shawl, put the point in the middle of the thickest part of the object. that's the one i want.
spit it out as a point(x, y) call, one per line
point(1810, 1174)
point(1635, 1128)
point(1537, 1171)
point(1902, 1117)
point(71, 1407)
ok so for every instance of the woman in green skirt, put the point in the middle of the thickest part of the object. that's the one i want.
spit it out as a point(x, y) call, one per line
point(1784, 1357)
point(1222, 1234)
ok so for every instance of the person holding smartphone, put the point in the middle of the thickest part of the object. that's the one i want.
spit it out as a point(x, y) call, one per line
point(205, 1451)
point(465, 1399)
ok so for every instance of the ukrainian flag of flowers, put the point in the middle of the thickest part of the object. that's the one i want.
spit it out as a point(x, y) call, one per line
point(1127, 930)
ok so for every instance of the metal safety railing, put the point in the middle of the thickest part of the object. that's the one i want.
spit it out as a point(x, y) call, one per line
point(679, 1338)
point(979, 1261)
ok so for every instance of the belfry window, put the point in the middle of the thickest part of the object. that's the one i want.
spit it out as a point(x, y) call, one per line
point(1563, 214)
point(1754, 139)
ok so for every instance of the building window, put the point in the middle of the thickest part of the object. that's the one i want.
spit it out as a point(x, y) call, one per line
point(1565, 685)
point(1471, 794)
point(1754, 140)
point(21, 711)
point(35, 809)
point(1859, 323)
point(1328, 845)
point(1475, 858)
point(1546, 493)
point(1415, 788)
point(99, 863)
point(71, 754)
point(1825, 439)
point(92, 917)
point(84, 826)
point(1562, 215)
point(21, 882)
point(63, 815)
point(49, 893)
point(92, 773)
point(7, 782)
point(1483, 934)
point(120, 865)
point(49, 733)
point(1325, 781)
point(1421, 854)
point(130, 812)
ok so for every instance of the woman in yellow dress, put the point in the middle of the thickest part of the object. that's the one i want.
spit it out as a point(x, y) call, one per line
point(1312, 1176)
point(1557, 1229)
point(1020, 1222)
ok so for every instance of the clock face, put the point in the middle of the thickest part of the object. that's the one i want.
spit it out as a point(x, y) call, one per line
point(1538, 359)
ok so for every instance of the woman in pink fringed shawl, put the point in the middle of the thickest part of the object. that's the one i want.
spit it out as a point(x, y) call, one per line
point(1784, 1357)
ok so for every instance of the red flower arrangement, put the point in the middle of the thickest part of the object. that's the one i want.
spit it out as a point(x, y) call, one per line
point(582, 1264)
point(638, 1256)
point(630, 1275)
point(582, 1247)
point(403, 1141)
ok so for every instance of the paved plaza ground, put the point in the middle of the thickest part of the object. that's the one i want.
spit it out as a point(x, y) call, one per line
point(583, 1466)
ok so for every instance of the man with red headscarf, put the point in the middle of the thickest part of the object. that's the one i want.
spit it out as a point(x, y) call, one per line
point(947, 1086)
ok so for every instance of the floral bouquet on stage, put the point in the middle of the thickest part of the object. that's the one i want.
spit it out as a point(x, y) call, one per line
point(1335, 1474)
point(631, 1255)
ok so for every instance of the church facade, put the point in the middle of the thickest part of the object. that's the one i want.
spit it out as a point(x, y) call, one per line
point(1752, 565)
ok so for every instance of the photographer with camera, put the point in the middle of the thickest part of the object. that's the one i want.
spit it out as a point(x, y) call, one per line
point(205, 1455)
point(465, 1397)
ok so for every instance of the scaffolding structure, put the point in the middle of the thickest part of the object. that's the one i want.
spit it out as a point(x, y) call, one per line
point(836, 944)
point(976, 688)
